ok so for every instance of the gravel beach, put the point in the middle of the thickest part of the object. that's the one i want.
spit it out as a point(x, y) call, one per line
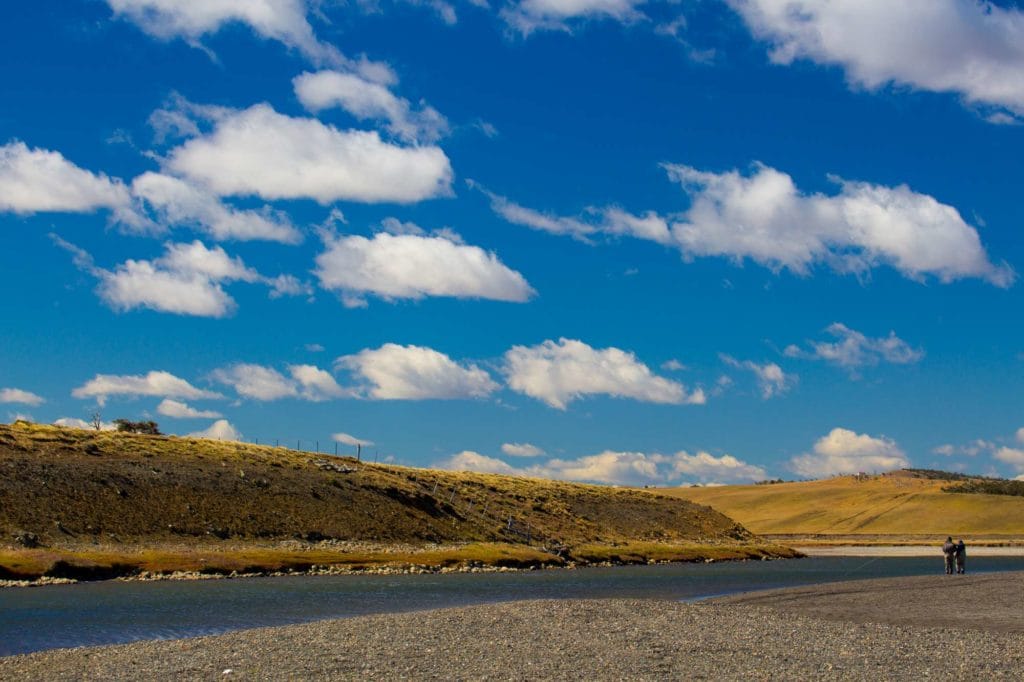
point(879, 629)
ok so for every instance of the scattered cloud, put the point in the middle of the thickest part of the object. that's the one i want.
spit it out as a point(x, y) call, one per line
point(765, 218)
point(845, 452)
point(186, 280)
point(528, 16)
point(218, 430)
point(156, 383)
point(521, 450)
point(968, 47)
point(771, 379)
point(258, 382)
point(1020, 435)
point(258, 151)
point(20, 397)
point(394, 372)
point(39, 180)
point(347, 439)
point(281, 20)
point(177, 202)
point(853, 350)
point(314, 348)
point(619, 468)
point(705, 468)
point(369, 100)
point(559, 372)
point(972, 449)
point(673, 365)
point(179, 410)
point(409, 266)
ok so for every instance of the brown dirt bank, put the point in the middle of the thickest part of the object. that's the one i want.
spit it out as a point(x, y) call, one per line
point(991, 602)
point(542, 640)
point(26, 567)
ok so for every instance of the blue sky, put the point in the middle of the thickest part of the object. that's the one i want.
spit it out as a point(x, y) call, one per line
point(606, 240)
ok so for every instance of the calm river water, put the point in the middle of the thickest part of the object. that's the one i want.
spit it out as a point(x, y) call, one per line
point(109, 612)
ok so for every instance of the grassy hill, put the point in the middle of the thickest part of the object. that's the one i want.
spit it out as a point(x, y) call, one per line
point(903, 505)
point(82, 502)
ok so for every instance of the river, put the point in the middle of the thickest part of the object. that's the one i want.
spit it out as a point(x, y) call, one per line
point(86, 614)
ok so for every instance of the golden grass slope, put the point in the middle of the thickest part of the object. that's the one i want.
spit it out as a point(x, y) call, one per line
point(895, 505)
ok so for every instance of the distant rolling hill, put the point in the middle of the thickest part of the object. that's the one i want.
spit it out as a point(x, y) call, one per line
point(903, 504)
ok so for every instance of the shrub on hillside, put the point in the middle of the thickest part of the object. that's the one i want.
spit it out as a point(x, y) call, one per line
point(149, 428)
point(988, 487)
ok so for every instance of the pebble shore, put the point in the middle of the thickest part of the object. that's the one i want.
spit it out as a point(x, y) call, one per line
point(589, 639)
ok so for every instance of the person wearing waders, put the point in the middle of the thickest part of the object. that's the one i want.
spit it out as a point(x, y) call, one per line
point(949, 551)
point(961, 557)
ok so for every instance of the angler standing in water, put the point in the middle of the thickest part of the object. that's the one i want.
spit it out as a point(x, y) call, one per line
point(949, 552)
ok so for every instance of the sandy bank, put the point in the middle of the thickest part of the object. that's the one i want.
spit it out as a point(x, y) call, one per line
point(758, 636)
point(902, 551)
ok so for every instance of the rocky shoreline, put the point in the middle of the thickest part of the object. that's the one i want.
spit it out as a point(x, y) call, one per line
point(407, 569)
point(757, 636)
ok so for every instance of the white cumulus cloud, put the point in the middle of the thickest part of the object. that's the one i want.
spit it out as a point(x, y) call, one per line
point(704, 467)
point(218, 430)
point(258, 382)
point(40, 180)
point(411, 266)
point(366, 99)
point(177, 202)
point(846, 452)
point(521, 450)
point(1012, 456)
point(179, 410)
point(348, 439)
point(191, 20)
point(186, 280)
point(853, 350)
point(260, 152)
point(395, 372)
point(969, 47)
point(157, 383)
point(766, 218)
point(467, 460)
point(559, 372)
point(20, 397)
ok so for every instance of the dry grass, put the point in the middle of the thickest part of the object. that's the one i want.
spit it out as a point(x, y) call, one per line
point(879, 509)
